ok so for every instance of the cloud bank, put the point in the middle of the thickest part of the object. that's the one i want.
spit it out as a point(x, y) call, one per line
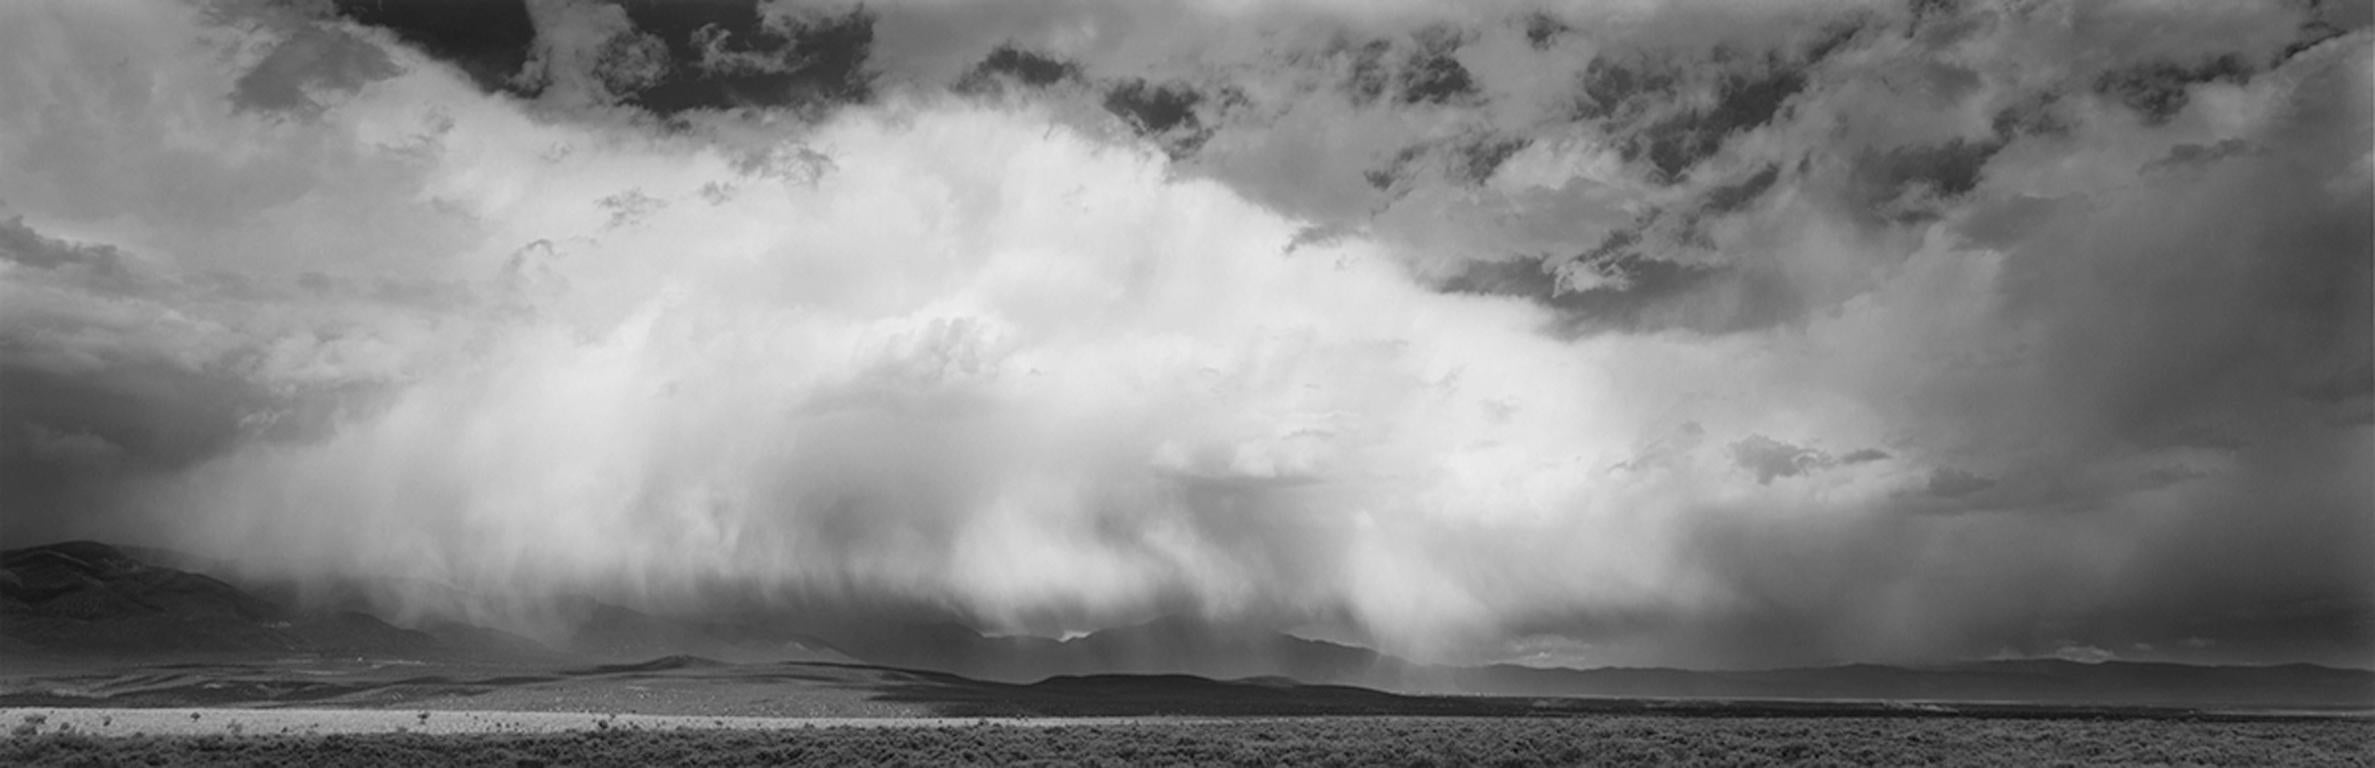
point(1645, 333)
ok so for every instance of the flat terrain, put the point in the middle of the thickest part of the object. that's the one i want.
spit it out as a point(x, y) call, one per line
point(667, 686)
point(689, 686)
point(1319, 741)
point(311, 710)
point(117, 722)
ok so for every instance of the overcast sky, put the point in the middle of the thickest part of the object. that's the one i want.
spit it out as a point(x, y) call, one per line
point(1696, 333)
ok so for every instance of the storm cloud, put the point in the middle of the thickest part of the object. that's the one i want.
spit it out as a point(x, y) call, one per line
point(1670, 332)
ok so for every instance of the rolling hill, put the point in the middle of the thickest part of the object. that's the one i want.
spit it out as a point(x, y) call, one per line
point(107, 605)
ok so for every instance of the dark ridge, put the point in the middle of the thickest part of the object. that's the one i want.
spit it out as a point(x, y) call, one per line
point(38, 574)
point(1107, 695)
point(1021, 66)
point(488, 40)
point(2037, 684)
point(2160, 90)
point(1093, 682)
point(1161, 646)
point(1732, 197)
point(661, 664)
point(1178, 645)
point(1269, 681)
point(1480, 158)
point(83, 598)
point(614, 632)
point(1432, 75)
point(819, 63)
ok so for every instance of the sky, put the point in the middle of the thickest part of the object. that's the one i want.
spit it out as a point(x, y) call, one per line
point(1592, 333)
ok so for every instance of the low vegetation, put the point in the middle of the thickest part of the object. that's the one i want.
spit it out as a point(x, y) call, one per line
point(1595, 741)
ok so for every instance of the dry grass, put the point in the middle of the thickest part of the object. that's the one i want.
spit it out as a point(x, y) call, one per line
point(1313, 741)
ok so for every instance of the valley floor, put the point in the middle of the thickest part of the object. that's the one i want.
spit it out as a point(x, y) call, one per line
point(536, 740)
point(223, 721)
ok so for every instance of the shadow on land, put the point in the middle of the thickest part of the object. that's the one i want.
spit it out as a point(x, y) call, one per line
point(88, 625)
point(693, 685)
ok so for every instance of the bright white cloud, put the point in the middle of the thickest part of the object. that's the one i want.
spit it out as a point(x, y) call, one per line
point(991, 356)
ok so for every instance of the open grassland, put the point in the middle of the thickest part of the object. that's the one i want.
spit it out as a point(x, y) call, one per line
point(1346, 741)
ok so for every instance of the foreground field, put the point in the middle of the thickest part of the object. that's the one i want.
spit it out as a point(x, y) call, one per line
point(1359, 741)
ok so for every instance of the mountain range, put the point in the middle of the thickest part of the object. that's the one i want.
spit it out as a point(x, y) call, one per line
point(87, 601)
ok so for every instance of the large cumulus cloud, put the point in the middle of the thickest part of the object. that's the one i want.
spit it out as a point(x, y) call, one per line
point(1667, 333)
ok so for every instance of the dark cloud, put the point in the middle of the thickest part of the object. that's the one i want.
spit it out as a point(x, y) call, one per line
point(489, 41)
point(2172, 324)
point(669, 57)
point(1369, 320)
point(1951, 483)
point(1645, 293)
point(1907, 183)
point(2188, 155)
point(1368, 74)
point(158, 416)
point(1019, 66)
point(1770, 458)
point(1679, 142)
point(2035, 115)
point(1478, 159)
point(100, 266)
point(1433, 73)
point(1164, 112)
point(314, 60)
point(1729, 198)
point(2355, 382)
point(71, 441)
point(1863, 455)
point(1543, 29)
point(2159, 90)
point(1468, 160)
point(742, 57)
